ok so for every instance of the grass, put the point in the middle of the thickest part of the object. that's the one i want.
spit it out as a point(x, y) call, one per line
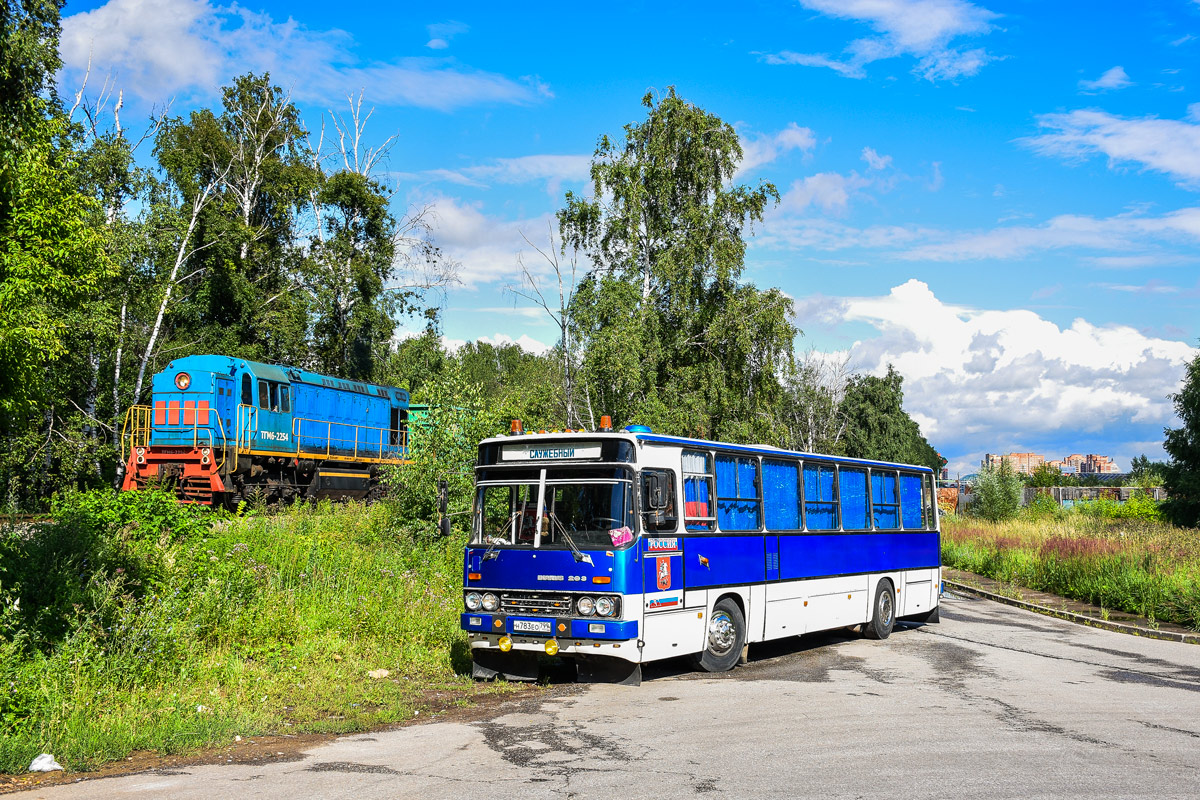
point(1138, 566)
point(128, 627)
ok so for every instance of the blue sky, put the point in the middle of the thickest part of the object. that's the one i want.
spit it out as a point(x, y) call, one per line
point(1000, 198)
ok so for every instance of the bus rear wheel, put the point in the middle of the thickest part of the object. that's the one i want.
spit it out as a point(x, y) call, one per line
point(725, 639)
point(883, 616)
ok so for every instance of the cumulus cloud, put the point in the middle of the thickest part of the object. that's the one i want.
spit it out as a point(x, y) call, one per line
point(484, 246)
point(1114, 78)
point(155, 49)
point(1163, 145)
point(990, 380)
point(926, 30)
point(760, 150)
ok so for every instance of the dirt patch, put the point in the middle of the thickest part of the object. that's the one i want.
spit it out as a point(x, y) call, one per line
point(484, 702)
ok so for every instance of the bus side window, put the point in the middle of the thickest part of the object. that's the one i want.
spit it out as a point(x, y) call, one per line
point(247, 391)
point(738, 498)
point(911, 501)
point(820, 497)
point(698, 494)
point(781, 493)
point(264, 395)
point(885, 501)
point(853, 485)
point(658, 512)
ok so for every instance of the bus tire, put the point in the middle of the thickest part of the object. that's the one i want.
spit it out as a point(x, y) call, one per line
point(883, 614)
point(725, 637)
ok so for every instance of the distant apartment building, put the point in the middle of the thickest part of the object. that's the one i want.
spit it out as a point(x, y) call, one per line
point(1025, 463)
point(1077, 463)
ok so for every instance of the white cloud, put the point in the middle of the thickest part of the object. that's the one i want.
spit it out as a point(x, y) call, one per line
point(486, 247)
point(1114, 78)
point(815, 60)
point(988, 380)
point(441, 33)
point(553, 169)
point(1140, 239)
point(874, 160)
point(829, 190)
point(923, 29)
point(1123, 232)
point(761, 150)
point(524, 341)
point(1164, 145)
point(155, 49)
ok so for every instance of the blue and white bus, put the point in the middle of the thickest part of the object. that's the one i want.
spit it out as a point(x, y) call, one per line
point(615, 548)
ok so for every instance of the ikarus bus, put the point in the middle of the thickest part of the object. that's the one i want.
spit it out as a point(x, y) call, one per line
point(615, 548)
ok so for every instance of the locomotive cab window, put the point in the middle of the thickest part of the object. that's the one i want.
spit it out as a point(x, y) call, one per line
point(247, 391)
point(264, 395)
point(285, 399)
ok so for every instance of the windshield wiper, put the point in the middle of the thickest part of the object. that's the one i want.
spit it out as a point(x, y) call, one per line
point(491, 553)
point(579, 554)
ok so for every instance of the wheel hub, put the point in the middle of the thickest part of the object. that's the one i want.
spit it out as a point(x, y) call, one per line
point(721, 633)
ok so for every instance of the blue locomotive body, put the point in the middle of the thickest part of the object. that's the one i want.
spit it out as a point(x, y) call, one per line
point(222, 428)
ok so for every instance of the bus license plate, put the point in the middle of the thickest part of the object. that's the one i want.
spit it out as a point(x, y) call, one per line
point(531, 625)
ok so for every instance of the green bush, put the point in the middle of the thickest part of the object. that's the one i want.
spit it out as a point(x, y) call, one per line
point(997, 493)
point(132, 623)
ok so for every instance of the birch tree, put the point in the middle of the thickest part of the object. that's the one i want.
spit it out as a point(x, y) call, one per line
point(670, 334)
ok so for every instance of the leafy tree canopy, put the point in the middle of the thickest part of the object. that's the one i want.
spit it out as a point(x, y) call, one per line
point(1182, 474)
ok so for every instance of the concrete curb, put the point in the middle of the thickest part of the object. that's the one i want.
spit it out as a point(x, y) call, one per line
point(1078, 619)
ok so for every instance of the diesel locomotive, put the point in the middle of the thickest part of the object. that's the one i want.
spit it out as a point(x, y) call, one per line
point(222, 429)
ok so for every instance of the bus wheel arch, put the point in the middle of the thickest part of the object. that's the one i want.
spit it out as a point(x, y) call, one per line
point(725, 636)
point(883, 611)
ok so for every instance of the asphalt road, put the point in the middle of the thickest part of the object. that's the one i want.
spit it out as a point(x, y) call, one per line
point(994, 702)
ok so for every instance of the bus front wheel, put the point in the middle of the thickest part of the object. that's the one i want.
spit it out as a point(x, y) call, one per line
point(883, 618)
point(725, 638)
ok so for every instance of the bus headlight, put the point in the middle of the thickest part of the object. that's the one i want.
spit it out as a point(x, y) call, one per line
point(473, 601)
point(605, 606)
point(490, 602)
point(586, 606)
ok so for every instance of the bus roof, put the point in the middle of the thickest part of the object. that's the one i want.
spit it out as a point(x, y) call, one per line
point(755, 449)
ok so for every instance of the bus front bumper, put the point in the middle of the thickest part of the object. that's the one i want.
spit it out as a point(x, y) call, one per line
point(610, 636)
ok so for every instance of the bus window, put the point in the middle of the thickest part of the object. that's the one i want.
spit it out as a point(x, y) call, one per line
point(885, 500)
point(247, 391)
point(264, 395)
point(911, 508)
point(853, 491)
point(781, 494)
point(698, 491)
point(738, 503)
point(658, 513)
point(820, 498)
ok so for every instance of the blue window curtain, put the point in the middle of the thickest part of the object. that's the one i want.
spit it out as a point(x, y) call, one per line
point(820, 501)
point(885, 500)
point(853, 483)
point(910, 501)
point(738, 505)
point(781, 494)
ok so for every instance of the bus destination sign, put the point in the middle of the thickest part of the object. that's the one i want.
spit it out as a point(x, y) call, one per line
point(557, 451)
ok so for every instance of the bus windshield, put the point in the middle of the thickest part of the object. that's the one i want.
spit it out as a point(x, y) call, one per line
point(592, 513)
